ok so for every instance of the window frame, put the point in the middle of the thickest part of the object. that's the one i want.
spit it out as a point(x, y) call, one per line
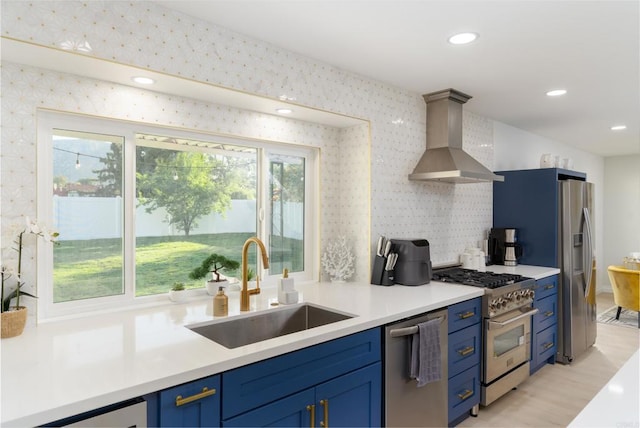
point(48, 121)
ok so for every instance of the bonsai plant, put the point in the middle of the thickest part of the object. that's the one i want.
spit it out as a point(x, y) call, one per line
point(13, 319)
point(214, 263)
point(177, 292)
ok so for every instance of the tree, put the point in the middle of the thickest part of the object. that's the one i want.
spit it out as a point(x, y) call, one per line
point(189, 186)
point(110, 176)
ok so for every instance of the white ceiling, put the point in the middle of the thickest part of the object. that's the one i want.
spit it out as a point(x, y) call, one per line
point(525, 48)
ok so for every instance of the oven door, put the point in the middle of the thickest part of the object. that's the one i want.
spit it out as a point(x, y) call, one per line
point(507, 342)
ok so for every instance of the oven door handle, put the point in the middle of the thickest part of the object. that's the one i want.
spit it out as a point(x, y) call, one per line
point(500, 324)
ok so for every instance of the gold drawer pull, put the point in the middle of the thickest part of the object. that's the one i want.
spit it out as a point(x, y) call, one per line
point(466, 315)
point(312, 410)
point(548, 313)
point(549, 287)
point(467, 393)
point(205, 393)
point(325, 405)
point(547, 345)
point(466, 351)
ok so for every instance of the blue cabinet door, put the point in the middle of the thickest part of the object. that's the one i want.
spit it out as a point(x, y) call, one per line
point(352, 400)
point(464, 349)
point(464, 393)
point(194, 404)
point(293, 411)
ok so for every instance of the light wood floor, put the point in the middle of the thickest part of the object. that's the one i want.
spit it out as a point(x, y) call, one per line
point(555, 394)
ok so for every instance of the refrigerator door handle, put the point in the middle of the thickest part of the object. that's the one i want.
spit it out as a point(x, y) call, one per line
point(587, 254)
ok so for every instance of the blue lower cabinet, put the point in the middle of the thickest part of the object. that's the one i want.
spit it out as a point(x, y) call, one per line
point(544, 346)
point(464, 349)
point(544, 325)
point(193, 404)
point(464, 393)
point(464, 354)
point(352, 400)
point(292, 411)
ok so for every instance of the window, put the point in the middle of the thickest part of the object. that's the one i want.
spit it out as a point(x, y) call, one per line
point(138, 208)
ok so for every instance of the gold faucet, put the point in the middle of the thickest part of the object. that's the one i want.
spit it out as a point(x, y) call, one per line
point(245, 293)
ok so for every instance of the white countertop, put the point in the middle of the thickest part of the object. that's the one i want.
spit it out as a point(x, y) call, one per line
point(63, 368)
point(535, 272)
point(616, 405)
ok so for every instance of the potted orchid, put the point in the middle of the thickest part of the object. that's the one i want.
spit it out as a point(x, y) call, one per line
point(14, 317)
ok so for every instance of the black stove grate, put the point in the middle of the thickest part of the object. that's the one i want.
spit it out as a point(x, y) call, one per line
point(475, 278)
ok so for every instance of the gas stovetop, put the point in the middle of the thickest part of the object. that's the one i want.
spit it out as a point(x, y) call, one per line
point(504, 292)
point(475, 278)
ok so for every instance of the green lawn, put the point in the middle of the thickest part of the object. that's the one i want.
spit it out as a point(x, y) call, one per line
point(92, 268)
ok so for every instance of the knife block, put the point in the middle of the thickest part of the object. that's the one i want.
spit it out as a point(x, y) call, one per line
point(378, 274)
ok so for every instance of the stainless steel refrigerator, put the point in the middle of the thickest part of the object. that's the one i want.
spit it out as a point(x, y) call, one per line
point(576, 297)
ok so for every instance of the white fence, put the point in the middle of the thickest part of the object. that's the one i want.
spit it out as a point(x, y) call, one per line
point(71, 214)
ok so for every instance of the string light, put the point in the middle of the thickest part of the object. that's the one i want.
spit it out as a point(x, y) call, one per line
point(77, 160)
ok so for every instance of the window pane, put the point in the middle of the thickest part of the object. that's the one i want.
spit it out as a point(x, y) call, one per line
point(87, 207)
point(286, 235)
point(194, 199)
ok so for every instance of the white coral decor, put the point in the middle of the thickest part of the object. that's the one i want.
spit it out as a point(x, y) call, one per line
point(338, 260)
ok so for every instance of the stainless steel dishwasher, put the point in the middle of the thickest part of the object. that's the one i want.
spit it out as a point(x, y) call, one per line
point(406, 405)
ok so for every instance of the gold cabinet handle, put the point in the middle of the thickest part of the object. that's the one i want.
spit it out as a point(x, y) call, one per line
point(467, 393)
point(466, 351)
point(325, 406)
point(312, 414)
point(548, 313)
point(466, 315)
point(205, 393)
point(547, 345)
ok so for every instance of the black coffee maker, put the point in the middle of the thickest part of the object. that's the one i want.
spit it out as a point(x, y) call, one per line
point(503, 247)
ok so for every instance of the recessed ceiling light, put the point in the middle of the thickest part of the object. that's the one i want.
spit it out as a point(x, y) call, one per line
point(618, 127)
point(462, 38)
point(143, 80)
point(284, 110)
point(556, 92)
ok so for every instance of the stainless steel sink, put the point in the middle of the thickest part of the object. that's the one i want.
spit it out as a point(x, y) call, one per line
point(243, 330)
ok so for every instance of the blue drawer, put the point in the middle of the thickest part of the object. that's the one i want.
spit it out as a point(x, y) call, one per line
point(195, 403)
point(464, 349)
point(464, 314)
point(546, 287)
point(464, 392)
point(547, 313)
point(251, 386)
point(545, 343)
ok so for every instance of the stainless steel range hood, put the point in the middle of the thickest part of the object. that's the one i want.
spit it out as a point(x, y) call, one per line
point(444, 159)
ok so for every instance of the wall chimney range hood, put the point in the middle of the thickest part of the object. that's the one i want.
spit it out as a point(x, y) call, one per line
point(444, 159)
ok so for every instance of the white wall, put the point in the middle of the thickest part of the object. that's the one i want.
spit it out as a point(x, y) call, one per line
point(519, 149)
point(621, 208)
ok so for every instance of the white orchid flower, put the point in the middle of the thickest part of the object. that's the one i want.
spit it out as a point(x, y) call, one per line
point(7, 272)
point(33, 226)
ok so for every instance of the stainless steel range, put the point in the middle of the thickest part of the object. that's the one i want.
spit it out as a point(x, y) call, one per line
point(506, 311)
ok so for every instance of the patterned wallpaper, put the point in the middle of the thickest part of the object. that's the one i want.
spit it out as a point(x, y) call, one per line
point(144, 34)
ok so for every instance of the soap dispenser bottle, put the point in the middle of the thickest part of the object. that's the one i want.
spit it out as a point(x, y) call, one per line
point(286, 283)
point(286, 293)
point(220, 304)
